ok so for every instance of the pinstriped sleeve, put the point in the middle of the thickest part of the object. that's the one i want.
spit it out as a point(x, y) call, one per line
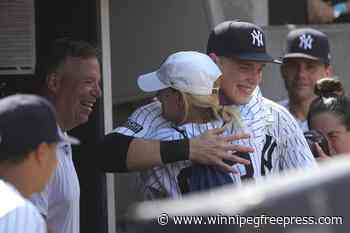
point(161, 181)
point(24, 218)
point(293, 148)
point(143, 121)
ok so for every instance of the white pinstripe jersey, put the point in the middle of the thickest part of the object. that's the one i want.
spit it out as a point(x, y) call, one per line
point(144, 121)
point(18, 215)
point(59, 202)
point(161, 181)
point(278, 142)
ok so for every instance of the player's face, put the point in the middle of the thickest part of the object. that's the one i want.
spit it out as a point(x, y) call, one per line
point(300, 76)
point(172, 105)
point(79, 88)
point(334, 129)
point(240, 78)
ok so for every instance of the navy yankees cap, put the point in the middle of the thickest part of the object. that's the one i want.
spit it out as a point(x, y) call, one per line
point(241, 40)
point(25, 122)
point(308, 43)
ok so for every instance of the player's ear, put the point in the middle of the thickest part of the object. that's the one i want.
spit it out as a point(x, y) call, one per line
point(283, 70)
point(53, 82)
point(216, 59)
point(329, 70)
point(40, 154)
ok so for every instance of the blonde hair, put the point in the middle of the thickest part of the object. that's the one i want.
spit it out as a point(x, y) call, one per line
point(206, 108)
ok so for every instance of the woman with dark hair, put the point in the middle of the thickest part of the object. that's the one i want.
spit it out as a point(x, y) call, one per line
point(330, 114)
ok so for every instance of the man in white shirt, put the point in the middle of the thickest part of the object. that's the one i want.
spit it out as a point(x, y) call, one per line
point(28, 140)
point(306, 61)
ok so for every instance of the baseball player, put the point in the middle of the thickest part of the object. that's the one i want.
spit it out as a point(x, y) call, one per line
point(306, 61)
point(239, 49)
point(27, 160)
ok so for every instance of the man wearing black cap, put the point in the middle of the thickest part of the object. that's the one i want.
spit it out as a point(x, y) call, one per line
point(239, 49)
point(307, 60)
point(28, 140)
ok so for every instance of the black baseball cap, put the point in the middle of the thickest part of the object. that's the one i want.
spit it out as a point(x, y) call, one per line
point(25, 122)
point(308, 43)
point(241, 40)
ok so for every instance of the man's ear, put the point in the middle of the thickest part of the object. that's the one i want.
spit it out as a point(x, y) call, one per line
point(53, 82)
point(283, 70)
point(215, 59)
point(40, 154)
point(329, 71)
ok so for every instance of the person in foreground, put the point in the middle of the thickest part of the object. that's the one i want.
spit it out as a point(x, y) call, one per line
point(28, 140)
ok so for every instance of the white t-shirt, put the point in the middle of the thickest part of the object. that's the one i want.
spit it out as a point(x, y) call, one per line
point(59, 202)
point(18, 215)
point(303, 124)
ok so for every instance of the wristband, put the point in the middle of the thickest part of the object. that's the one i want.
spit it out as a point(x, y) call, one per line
point(174, 151)
point(339, 9)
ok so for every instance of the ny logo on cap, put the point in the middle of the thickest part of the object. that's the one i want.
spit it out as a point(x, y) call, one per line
point(257, 38)
point(305, 41)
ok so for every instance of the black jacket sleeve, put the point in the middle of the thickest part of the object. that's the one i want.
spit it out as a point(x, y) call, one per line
point(109, 154)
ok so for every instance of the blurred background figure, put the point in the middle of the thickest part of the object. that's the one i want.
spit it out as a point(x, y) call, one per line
point(330, 114)
point(308, 12)
point(328, 11)
point(307, 59)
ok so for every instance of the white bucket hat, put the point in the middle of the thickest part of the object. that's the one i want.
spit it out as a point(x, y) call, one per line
point(188, 71)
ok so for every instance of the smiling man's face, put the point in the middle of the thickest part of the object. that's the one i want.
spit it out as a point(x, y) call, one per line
point(240, 78)
point(300, 76)
point(78, 87)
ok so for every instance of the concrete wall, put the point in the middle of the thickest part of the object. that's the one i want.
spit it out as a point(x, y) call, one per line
point(144, 33)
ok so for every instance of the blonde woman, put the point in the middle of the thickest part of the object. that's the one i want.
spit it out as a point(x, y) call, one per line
point(185, 85)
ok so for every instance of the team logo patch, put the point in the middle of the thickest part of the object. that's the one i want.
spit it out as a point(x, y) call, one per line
point(133, 126)
point(266, 156)
point(305, 41)
point(257, 38)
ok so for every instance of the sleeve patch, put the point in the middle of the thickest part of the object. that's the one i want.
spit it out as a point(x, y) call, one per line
point(133, 126)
